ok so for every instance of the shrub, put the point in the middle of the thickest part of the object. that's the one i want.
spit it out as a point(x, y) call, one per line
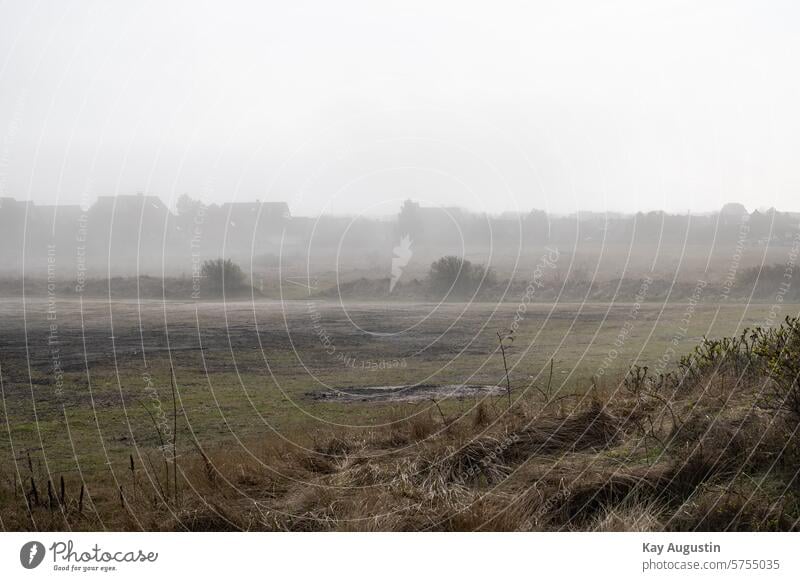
point(781, 357)
point(222, 276)
point(455, 275)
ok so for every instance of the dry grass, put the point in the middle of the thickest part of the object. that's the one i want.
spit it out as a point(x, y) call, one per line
point(706, 458)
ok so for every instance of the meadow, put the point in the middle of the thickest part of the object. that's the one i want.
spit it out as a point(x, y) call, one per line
point(94, 392)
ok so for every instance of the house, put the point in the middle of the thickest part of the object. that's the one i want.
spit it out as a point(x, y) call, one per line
point(240, 214)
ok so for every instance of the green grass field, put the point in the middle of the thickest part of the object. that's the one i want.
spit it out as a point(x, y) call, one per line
point(252, 371)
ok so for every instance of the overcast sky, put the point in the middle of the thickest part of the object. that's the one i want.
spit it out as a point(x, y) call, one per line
point(351, 107)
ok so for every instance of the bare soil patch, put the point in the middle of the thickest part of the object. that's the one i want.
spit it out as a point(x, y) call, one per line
point(404, 393)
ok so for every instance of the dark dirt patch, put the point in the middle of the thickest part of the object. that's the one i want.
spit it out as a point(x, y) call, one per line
point(404, 393)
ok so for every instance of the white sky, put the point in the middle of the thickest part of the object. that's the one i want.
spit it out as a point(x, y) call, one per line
point(353, 106)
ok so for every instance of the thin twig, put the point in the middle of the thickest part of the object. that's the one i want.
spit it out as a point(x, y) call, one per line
point(174, 434)
point(505, 364)
point(441, 413)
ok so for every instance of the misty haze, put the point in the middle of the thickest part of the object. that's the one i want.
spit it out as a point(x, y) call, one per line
point(427, 267)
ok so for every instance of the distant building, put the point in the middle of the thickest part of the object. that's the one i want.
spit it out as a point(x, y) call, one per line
point(58, 215)
point(249, 212)
point(9, 206)
point(129, 234)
